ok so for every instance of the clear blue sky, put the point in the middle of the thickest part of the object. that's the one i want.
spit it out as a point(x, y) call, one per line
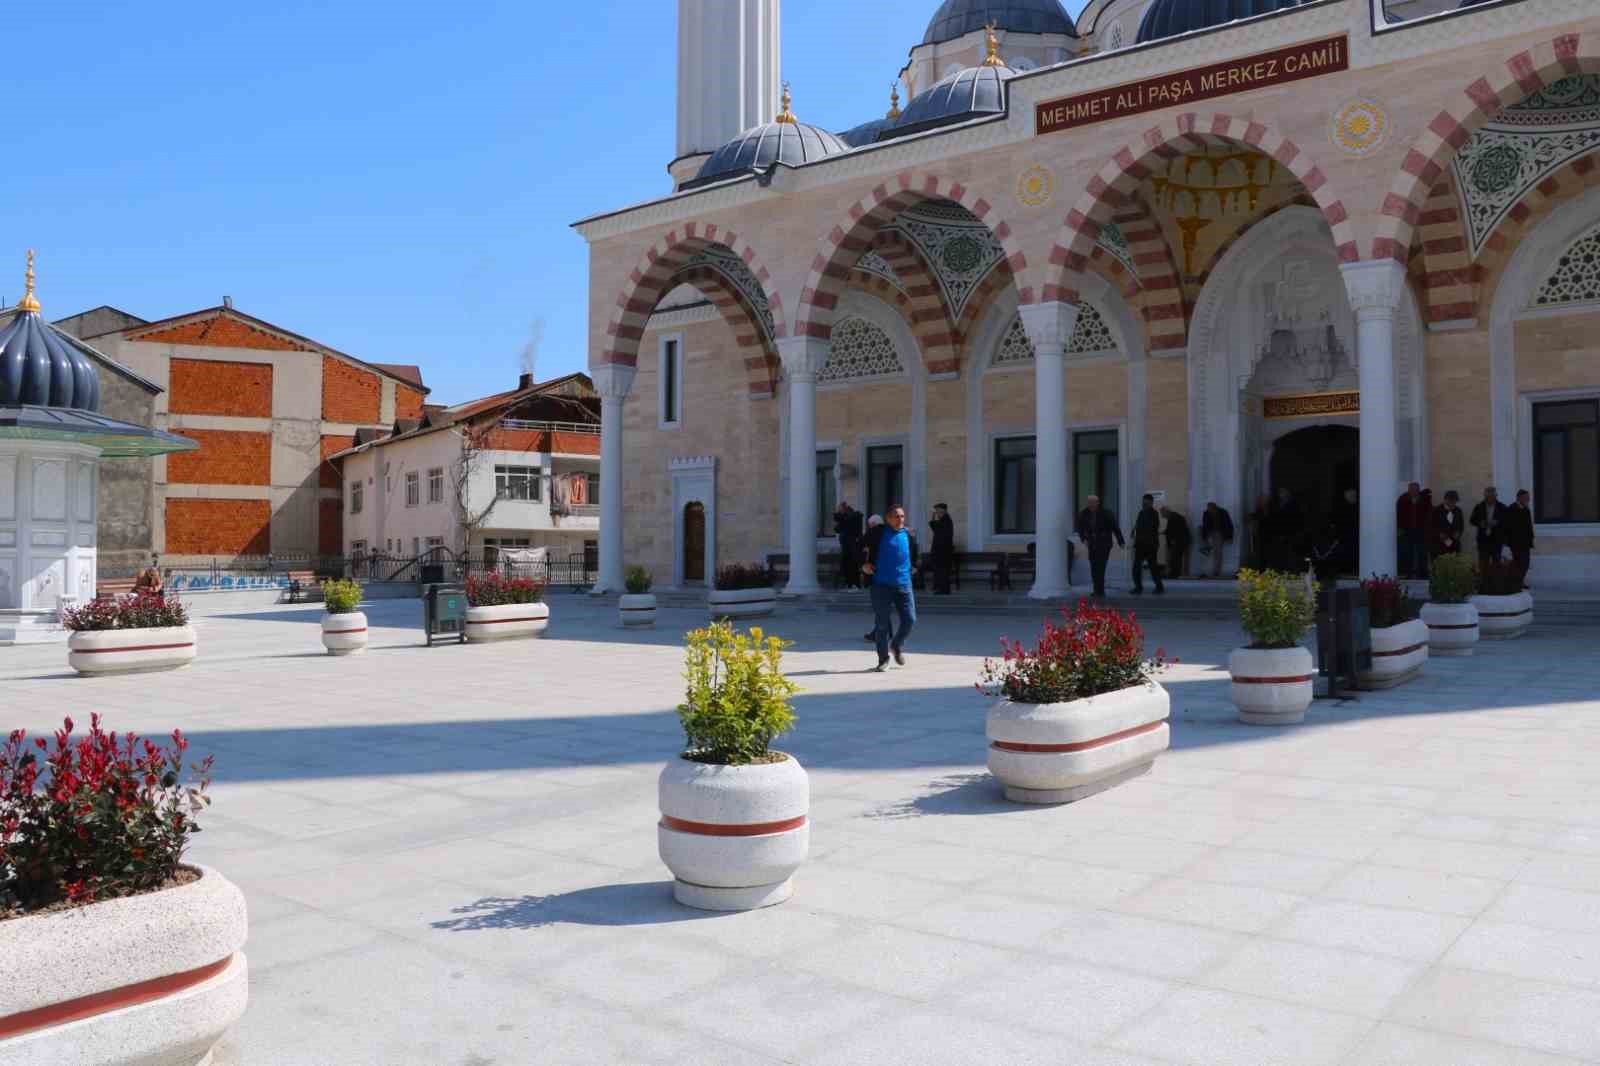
point(395, 180)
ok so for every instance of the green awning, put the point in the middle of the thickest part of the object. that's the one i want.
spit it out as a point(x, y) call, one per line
point(115, 439)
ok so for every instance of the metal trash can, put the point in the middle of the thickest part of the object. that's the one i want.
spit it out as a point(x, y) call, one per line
point(431, 573)
point(444, 613)
point(1344, 638)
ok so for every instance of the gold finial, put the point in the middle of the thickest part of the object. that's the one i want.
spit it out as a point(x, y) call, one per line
point(992, 43)
point(894, 102)
point(786, 116)
point(29, 301)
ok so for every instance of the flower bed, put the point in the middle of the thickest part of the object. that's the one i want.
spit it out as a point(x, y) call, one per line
point(505, 608)
point(1399, 637)
point(636, 609)
point(743, 590)
point(1272, 676)
point(139, 633)
point(1505, 607)
point(344, 626)
point(1449, 614)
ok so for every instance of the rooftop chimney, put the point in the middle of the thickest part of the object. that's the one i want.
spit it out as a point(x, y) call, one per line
point(525, 382)
point(227, 301)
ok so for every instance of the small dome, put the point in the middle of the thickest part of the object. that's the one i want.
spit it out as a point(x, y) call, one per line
point(1168, 18)
point(40, 366)
point(784, 140)
point(970, 93)
point(866, 133)
point(957, 18)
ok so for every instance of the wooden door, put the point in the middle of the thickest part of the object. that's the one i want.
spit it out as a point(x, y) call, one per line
point(694, 542)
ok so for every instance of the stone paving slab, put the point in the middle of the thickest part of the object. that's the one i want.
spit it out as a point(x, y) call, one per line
point(449, 857)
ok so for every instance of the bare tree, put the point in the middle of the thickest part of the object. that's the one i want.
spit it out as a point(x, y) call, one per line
point(471, 514)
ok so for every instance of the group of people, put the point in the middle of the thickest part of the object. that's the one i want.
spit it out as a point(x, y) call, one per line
point(853, 530)
point(881, 552)
point(1427, 532)
point(1161, 541)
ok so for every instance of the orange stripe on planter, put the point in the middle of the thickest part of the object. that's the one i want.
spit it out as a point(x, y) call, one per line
point(1272, 680)
point(503, 621)
point(342, 632)
point(104, 1002)
point(1505, 614)
point(1400, 651)
point(1082, 745)
point(1474, 625)
point(137, 647)
point(713, 829)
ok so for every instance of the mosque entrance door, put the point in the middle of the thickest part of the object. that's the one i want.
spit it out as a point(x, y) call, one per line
point(1317, 465)
point(694, 541)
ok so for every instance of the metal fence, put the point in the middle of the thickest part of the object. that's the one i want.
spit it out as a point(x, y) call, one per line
point(578, 570)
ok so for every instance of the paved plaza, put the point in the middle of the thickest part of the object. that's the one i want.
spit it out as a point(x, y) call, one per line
point(450, 857)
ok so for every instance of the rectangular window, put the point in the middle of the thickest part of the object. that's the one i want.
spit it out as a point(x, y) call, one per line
point(593, 489)
point(355, 497)
point(827, 491)
point(416, 545)
point(358, 547)
point(435, 542)
point(436, 485)
point(1015, 484)
point(671, 381)
point(1566, 461)
point(516, 482)
point(885, 477)
point(1098, 470)
point(413, 489)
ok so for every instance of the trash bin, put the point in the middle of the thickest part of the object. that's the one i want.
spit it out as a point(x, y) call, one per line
point(444, 612)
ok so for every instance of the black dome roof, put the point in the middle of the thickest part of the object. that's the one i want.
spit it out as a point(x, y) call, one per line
point(42, 367)
point(957, 18)
point(968, 93)
point(784, 140)
point(1168, 18)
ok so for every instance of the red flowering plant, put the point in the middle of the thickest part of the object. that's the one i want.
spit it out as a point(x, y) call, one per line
point(137, 610)
point(496, 590)
point(1090, 652)
point(93, 817)
point(1387, 603)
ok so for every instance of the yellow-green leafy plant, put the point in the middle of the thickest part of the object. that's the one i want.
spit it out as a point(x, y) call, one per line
point(737, 700)
point(637, 581)
point(1276, 609)
point(341, 597)
point(1452, 579)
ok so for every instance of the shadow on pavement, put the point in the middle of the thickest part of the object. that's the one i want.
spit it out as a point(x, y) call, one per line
point(640, 903)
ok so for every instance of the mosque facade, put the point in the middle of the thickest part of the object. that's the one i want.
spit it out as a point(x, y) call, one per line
point(1201, 248)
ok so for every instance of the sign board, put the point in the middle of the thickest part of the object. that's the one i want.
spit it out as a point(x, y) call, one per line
point(1295, 63)
point(1311, 405)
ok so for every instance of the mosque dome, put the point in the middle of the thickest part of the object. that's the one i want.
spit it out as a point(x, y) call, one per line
point(957, 18)
point(1168, 18)
point(784, 140)
point(970, 93)
point(42, 367)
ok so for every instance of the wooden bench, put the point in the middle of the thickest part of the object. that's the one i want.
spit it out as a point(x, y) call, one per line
point(113, 588)
point(829, 572)
point(301, 584)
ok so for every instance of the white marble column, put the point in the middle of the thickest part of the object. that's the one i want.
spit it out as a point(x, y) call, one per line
point(1050, 329)
point(1375, 289)
point(613, 382)
point(803, 359)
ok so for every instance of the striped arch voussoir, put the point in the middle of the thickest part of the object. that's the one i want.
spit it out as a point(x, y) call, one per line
point(658, 272)
point(1508, 82)
point(931, 321)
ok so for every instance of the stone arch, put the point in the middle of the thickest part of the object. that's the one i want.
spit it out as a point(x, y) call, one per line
point(654, 277)
point(1112, 188)
point(929, 311)
point(1571, 181)
point(741, 317)
point(848, 240)
point(1518, 77)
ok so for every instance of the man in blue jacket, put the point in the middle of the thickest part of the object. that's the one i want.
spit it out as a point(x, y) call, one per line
point(889, 558)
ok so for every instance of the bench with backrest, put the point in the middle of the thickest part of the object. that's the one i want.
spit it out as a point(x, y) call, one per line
point(113, 588)
point(828, 571)
point(303, 587)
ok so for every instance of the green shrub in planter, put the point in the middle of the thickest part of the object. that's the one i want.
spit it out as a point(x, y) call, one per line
point(341, 597)
point(637, 581)
point(1276, 609)
point(737, 699)
point(1452, 579)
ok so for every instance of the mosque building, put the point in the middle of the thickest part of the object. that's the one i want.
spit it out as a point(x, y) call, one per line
point(1205, 248)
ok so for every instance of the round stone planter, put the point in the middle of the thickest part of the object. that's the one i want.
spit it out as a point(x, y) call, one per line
point(1504, 617)
point(637, 610)
point(1271, 686)
point(508, 621)
point(344, 634)
point(1452, 628)
point(742, 603)
point(733, 835)
point(1062, 752)
point(131, 651)
point(151, 980)
point(1398, 654)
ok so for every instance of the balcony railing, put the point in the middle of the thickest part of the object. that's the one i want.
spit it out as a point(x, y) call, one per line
point(590, 428)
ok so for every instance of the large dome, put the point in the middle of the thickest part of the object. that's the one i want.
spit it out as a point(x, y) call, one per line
point(784, 140)
point(1168, 18)
point(957, 18)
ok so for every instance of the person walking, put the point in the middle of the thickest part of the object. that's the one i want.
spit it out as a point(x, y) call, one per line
point(1216, 532)
point(890, 556)
point(1097, 528)
point(1449, 524)
point(1175, 535)
point(1147, 546)
point(1489, 519)
point(1413, 511)
point(942, 548)
point(1519, 534)
point(873, 522)
point(847, 525)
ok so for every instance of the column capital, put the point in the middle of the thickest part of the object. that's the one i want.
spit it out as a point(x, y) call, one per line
point(1049, 326)
point(613, 381)
point(803, 357)
point(1375, 287)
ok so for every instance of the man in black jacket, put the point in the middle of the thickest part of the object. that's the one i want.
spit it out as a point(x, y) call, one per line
point(1097, 528)
point(1147, 546)
point(1216, 531)
point(1519, 534)
point(847, 524)
point(1177, 537)
point(1489, 519)
point(942, 548)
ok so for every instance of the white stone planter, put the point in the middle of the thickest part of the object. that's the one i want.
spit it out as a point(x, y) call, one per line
point(733, 835)
point(1504, 617)
point(637, 610)
point(509, 621)
point(1452, 628)
point(1398, 654)
point(131, 651)
point(344, 634)
point(742, 603)
point(1061, 752)
point(1271, 686)
point(151, 980)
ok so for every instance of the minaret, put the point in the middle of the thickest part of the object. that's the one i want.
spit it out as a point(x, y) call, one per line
point(728, 63)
